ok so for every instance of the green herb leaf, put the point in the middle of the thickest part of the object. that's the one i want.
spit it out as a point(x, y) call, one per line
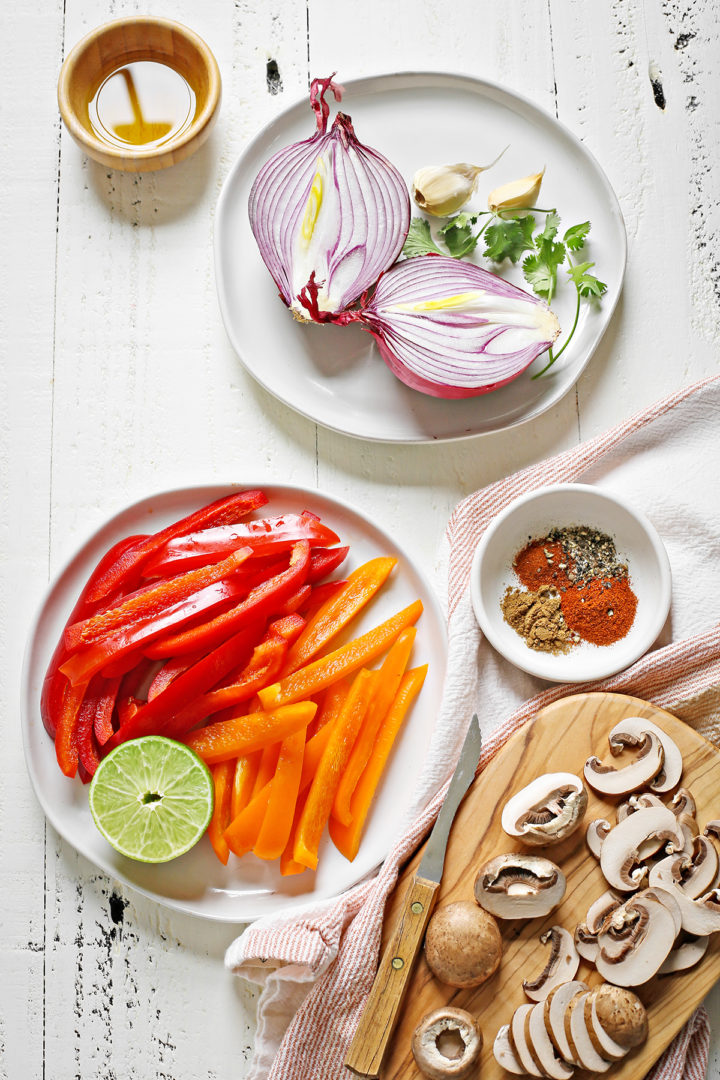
point(458, 235)
point(552, 224)
point(586, 284)
point(509, 239)
point(540, 269)
point(419, 241)
point(575, 236)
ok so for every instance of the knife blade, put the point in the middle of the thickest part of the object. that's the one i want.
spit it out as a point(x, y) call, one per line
point(377, 1023)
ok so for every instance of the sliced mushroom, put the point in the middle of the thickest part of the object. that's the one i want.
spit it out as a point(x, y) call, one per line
point(620, 852)
point(547, 810)
point(581, 1045)
point(447, 1043)
point(635, 941)
point(695, 875)
point(519, 886)
point(596, 832)
point(606, 1047)
point(544, 1051)
point(463, 946)
point(611, 781)
point(712, 829)
point(621, 1014)
point(636, 726)
point(561, 967)
point(683, 802)
point(555, 1008)
point(504, 1054)
point(586, 933)
point(699, 917)
point(519, 1043)
point(667, 900)
point(684, 955)
point(623, 810)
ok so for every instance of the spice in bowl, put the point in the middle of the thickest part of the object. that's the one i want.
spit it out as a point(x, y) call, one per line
point(575, 588)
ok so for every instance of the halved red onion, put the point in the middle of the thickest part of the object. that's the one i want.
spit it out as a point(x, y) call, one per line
point(449, 328)
point(329, 211)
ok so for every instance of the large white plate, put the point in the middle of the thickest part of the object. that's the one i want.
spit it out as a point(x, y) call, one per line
point(196, 882)
point(335, 375)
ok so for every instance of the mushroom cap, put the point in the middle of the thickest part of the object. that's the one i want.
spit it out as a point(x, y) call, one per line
point(463, 946)
point(636, 726)
point(547, 810)
point(447, 1043)
point(621, 1014)
point(519, 886)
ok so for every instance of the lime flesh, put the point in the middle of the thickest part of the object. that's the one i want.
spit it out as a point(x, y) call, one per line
point(152, 798)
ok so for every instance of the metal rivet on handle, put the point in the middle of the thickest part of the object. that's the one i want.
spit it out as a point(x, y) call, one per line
point(416, 908)
point(397, 962)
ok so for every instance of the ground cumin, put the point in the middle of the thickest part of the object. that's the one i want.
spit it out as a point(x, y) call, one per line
point(537, 616)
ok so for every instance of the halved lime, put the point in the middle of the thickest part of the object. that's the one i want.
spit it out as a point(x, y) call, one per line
point(152, 798)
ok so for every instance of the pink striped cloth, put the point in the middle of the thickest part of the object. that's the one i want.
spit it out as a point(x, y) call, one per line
point(316, 966)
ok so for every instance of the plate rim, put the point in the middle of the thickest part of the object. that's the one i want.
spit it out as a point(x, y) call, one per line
point(187, 907)
point(364, 83)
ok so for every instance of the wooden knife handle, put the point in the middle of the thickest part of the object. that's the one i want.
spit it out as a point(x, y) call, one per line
point(367, 1050)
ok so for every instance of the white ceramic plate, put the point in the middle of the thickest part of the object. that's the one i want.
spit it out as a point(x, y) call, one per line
point(533, 515)
point(196, 882)
point(335, 375)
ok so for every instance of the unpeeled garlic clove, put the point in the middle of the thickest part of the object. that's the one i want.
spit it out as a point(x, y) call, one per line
point(517, 195)
point(441, 190)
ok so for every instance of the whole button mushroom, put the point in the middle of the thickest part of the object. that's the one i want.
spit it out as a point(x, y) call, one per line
point(621, 1014)
point(447, 1043)
point(463, 946)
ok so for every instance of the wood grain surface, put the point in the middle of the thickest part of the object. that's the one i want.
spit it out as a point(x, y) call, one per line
point(559, 739)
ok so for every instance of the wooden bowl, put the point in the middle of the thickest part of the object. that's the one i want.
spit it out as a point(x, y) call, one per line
point(125, 41)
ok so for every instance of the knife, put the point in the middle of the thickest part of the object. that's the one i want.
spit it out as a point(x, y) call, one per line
point(377, 1023)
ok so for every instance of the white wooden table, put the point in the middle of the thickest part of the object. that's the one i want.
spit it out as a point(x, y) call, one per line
point(117, 380)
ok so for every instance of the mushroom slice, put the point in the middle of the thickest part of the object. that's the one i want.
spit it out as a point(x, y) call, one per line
point(667, 900)
point(586, 933)
point(699, 917)
point(584, 1052)
point(621, 1014)
point(547, 810)
point(684, 955)
point(554, 1010)
point(636, 726)
point(606, 1047)
point(561, 967)
point(712, 829)
point(519, 1040)
point(635, 941)
point(611, 781)
point(545, 1053)
point(621, 849)
point(693, 875)
point(519, 886)
point(447, 1043)
point(683, 802)
point(504, 1053)
point(596, 832)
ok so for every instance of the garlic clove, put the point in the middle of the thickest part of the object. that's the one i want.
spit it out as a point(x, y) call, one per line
point(442, 190)
point(517, 195)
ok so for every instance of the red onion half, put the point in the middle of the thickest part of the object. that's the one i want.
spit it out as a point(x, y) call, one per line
point(449, 328)
point(328, 210)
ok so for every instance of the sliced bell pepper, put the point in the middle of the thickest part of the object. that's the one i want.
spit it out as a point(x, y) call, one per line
point(244, 734)
point(319, 596)
point(170, 671)
point(288, 866)
point(66, 734)
point(326, 560)
point(87, 746)
point(246, 768)
point(164, 715)
point(103, 722)
point(275, 829)
point(265, 535)
point(243, 831)
point(334, 759)
point(126, 571)
point(347, 837)
point(361, 586)
point(328, 669)
point(54, 684)
point(222, 775)
point(330, 702)
point(389, 678)
point(151, 601)
point(266, 770)
point(82, 665)
point(296, 601)
point(261, 603)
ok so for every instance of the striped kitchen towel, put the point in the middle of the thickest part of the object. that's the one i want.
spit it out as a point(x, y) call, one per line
point(316, 966)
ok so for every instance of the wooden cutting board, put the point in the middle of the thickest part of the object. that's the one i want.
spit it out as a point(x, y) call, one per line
point(559, 739)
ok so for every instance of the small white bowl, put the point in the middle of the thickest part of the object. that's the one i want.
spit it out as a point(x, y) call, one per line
point(533, 516)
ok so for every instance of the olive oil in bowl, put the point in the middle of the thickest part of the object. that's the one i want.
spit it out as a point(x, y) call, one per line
point(144, 104)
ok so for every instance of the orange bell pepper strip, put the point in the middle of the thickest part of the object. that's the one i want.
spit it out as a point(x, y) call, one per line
point(246, 768)
point(328, 669)
point(346, 838)
point(277, 823)
point(222, 775)
point(288, 866)
point(389, 678)
point(242, 833)
point(268, 764)
point(243, 734)
point(335, 757)
point(319, 596)
point(338, 611)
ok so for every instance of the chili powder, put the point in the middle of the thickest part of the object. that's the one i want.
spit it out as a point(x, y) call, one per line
point(542, 562)
point(602, 611)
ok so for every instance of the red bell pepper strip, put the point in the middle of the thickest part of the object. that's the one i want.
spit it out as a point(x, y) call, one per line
point(264, 535)
point(171, 670)
point(53, 689)
point(163, 715)
point(126, 571)
point(323, 562)
point(261, 603)
point(82, 665)
point(66, 743)
point(102, 722)
point(320, 594)
point(87, 746)
point(296, 601)
point(151, 601)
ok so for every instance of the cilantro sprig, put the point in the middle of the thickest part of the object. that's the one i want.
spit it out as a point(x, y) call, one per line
point(512, 237)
